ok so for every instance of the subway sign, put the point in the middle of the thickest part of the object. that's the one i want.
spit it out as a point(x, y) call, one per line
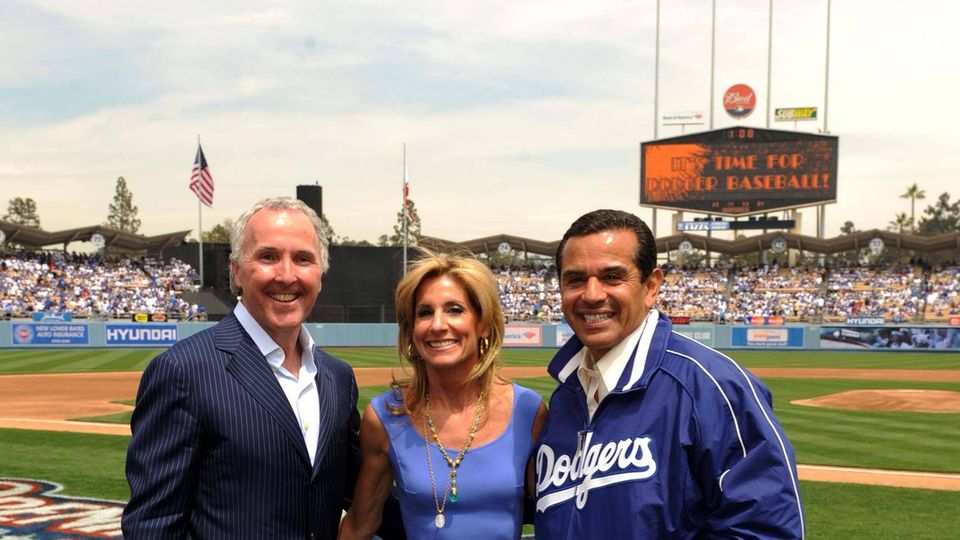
point(739, 171)
point(795, 113)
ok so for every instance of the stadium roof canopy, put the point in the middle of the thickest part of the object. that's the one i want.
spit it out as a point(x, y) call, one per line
point(740, 246)
point(38, 238)
point(489, 244)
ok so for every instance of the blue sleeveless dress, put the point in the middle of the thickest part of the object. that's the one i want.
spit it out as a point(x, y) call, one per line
point(490, 480)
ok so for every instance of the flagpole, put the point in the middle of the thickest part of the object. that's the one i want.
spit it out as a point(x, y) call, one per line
point(200, 225)
point(200, 221)
point(404, 211)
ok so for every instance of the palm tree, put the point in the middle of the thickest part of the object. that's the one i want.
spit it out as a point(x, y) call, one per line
point(914, 193)
point(900, 222)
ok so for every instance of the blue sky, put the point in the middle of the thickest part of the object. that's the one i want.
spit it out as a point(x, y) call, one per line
point(518, 116)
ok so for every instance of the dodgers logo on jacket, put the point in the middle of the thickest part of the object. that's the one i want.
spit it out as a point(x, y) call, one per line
point(561, 477)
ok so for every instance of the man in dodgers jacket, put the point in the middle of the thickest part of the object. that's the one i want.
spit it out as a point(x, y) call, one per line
point(650, 433)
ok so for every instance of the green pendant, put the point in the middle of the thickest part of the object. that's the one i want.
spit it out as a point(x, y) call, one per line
point(453, 497)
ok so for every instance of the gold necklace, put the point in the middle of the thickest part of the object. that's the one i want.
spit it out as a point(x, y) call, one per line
point(450, 491)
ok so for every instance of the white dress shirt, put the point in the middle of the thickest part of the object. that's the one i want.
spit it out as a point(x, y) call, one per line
point(300, 388)
point(598, 376)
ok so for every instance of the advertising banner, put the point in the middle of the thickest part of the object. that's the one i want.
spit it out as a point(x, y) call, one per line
point(739, 171)
point(684, 226)
point(43, 316)
point(794, 114)
point(889, 337)
point(682, 118)
point(865, 321)
point(564, 333)
point(40, 334)
point(703, 336)
point(153, 335)
point(763, 320)
point(523, 336)
point(766, 337)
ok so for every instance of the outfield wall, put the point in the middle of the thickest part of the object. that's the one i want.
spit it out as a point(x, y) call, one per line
point(121, 334)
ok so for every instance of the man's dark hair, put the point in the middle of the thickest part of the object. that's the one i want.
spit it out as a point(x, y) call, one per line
point(612, 220)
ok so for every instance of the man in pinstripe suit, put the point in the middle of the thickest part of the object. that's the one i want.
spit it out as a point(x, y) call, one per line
point(247, 429)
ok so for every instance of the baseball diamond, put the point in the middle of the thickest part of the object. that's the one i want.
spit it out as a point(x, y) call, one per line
point(856, 421)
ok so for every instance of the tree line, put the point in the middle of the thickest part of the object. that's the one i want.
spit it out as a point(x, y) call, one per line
point(121, 213)
point(943, 216)
point(122, 216)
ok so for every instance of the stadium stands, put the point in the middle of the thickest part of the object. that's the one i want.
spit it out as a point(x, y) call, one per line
point(815, 294)
point(89, 287)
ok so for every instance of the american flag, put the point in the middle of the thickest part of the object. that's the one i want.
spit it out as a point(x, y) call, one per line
point(201, 181)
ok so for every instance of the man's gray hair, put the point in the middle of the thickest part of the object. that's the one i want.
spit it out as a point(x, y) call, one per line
point(276, 203)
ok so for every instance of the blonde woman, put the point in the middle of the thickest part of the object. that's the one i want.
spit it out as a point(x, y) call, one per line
point(454, 436)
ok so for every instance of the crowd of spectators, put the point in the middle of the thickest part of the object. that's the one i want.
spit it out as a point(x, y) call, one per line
point(894, 293)
point(943, 298)
point(797, 294)
point(769, 290)
point(700, 294)
point(529, 294)
point(92, 287)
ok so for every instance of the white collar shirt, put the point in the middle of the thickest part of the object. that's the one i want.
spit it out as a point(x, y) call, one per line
point(597, 378)
point(301, 388)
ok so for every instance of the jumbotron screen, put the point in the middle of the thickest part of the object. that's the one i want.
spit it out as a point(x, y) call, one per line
point(739, 171)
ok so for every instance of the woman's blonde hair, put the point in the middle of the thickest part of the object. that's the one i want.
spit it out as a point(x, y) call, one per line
point(482, 291)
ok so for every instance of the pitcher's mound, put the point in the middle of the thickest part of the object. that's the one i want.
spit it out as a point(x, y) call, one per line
point(928, 401)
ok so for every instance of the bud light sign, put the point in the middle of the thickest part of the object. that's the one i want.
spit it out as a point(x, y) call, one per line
point(141, 334)
point(739, 101)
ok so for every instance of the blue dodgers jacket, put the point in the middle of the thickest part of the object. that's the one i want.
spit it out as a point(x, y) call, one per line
point(685, 446)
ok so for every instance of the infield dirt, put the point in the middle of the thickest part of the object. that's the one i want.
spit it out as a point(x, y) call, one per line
point(49, 401)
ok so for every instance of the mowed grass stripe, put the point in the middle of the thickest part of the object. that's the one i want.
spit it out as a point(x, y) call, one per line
point(900, 440)
point(26, 361)
point(938, 434)
point(87, 465)
point(852, 511)
point(14, 360)
point(878, 451)
point(74, 360)
point(366, 356)
point(893, 431)
point(846, 359)
point(918, 423)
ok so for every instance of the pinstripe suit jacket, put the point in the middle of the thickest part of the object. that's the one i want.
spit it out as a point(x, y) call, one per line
point(217, 452)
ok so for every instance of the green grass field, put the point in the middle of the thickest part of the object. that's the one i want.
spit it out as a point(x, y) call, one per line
point(92, 465)
point(13, 361)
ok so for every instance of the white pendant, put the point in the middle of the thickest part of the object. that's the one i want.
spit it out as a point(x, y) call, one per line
point(440, 521)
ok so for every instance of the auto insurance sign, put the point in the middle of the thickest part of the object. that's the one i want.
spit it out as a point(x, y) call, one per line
point(43, 334)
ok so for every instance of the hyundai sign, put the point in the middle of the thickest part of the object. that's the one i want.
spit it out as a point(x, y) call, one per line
point(151, 335)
